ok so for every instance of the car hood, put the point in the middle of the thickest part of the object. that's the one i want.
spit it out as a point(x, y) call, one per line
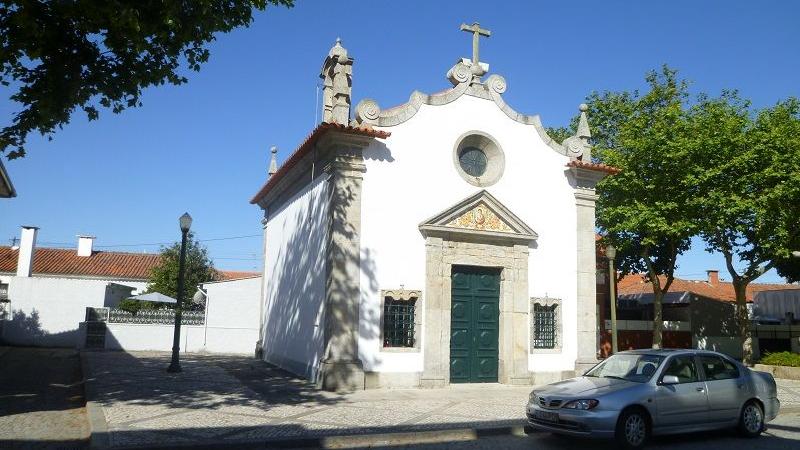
point(583, 386)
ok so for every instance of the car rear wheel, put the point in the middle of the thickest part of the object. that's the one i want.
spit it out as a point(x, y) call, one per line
point(751, 420)
point(633, 429)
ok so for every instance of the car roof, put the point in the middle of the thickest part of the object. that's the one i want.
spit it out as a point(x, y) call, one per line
point(668, 351)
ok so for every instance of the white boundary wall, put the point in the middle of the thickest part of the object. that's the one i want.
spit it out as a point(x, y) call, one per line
point(231, 324)
point(46, 311)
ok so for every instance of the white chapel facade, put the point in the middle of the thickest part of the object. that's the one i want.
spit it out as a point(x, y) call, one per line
point(445, 240)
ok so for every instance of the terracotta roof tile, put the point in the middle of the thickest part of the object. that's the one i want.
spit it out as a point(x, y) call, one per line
point(308, 144)
point(723, 291)
point(116, 265)
point(57, 261)
point(594, 166)
point(228, 275)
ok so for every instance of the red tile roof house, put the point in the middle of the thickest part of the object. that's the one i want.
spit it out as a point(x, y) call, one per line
point(699, 313)
point(44, 292)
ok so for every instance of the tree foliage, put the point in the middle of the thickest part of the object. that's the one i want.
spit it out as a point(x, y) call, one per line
point(644, 210)
point(746, 169)
point(198, 269)
point(708, 167)
point(63, 55)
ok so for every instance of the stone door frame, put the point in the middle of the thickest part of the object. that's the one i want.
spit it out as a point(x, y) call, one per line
point(512, 260)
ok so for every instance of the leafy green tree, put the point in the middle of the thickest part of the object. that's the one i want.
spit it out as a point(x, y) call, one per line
point(199, 269)
point(644, 210)
point(63, 55)
point(746, 170)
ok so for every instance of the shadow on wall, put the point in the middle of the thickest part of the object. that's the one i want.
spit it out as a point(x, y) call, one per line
point(295, 336)
point(26, 329)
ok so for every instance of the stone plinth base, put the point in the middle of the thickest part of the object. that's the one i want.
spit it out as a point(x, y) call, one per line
point(341, 376)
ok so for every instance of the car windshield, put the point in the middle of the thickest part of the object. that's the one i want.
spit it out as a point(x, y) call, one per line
point(638, 368)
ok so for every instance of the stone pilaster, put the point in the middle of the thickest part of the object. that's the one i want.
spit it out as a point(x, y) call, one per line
point(341, 368)
point(586, 277)
point(259, 351)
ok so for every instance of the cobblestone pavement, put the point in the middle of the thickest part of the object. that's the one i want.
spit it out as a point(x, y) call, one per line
point(782, 434)
point(236, 399)
point(41, 399)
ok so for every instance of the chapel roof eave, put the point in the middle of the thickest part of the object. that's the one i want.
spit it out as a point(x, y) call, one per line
point(596, 167)
point(308, 144)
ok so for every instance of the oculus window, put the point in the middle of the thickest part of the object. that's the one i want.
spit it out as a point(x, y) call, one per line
point(473, 161)
point(478, 159)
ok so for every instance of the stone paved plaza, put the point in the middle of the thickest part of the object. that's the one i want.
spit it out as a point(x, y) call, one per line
point(235, 399)
point(238, 398)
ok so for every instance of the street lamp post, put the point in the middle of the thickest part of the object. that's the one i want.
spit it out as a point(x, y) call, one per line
point(611, 253)
point(175, 366)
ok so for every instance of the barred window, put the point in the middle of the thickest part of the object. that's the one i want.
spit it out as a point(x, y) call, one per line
point(398, 322)
point(3, 291)
point(544, 326)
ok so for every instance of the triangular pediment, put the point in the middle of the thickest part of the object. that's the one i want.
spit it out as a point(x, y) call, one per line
point(478, 216)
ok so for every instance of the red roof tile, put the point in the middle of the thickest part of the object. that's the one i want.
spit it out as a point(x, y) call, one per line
point(228, 275)
point(723, 291)
point(307, 145)
point(116, 265)
point(594, 166)
point(57, 261)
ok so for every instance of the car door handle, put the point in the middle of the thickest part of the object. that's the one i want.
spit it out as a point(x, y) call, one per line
point(701, 389)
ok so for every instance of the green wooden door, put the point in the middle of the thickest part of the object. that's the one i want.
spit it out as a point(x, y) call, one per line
point(474, 324)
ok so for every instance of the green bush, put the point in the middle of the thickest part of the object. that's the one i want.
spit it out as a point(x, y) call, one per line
point(782, 359)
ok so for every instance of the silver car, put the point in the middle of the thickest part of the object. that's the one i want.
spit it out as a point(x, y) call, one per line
point(635, 394)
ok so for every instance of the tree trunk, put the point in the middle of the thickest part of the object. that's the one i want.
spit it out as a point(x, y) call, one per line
point(658, 322)
point(743, 320)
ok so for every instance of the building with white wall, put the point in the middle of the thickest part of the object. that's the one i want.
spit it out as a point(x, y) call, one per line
point(47, 290)
point(44, 292)
point(445, 240)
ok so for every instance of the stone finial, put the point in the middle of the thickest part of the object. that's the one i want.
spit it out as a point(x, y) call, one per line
point(583, 124)
point(273, 162)
point(337, 73)
point(578, 146)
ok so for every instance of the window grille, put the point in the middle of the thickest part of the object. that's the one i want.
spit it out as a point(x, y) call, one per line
point(398, 322)
point(3, 291)
point(544, 320)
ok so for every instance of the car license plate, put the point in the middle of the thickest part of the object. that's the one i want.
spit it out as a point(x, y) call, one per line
point(546, 416)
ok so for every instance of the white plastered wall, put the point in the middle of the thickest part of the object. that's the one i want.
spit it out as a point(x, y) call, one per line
point(47, 311)
point(411, 177)
point(294, 287)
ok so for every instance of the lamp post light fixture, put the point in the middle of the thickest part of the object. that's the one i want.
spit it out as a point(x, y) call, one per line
point(611, 253)
point(175, 366)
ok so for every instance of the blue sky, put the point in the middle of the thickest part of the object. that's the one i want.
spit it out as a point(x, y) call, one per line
point(204, 147)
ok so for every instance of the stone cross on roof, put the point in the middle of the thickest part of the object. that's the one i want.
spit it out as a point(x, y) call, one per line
point(477, 32)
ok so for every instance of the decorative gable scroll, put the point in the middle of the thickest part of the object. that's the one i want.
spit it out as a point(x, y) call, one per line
point(478, 217)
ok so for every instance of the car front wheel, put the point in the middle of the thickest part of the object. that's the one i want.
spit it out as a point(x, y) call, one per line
point(751, 420)
point(632, 429)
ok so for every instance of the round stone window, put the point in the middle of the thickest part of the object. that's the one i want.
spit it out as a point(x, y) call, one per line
point(478, 159)
point(473, 161)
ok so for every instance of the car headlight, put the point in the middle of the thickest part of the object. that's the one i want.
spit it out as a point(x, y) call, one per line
point(532, 397)
point(583, 404)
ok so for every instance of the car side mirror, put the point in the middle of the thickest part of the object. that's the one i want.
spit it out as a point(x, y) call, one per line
point(670, 379)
